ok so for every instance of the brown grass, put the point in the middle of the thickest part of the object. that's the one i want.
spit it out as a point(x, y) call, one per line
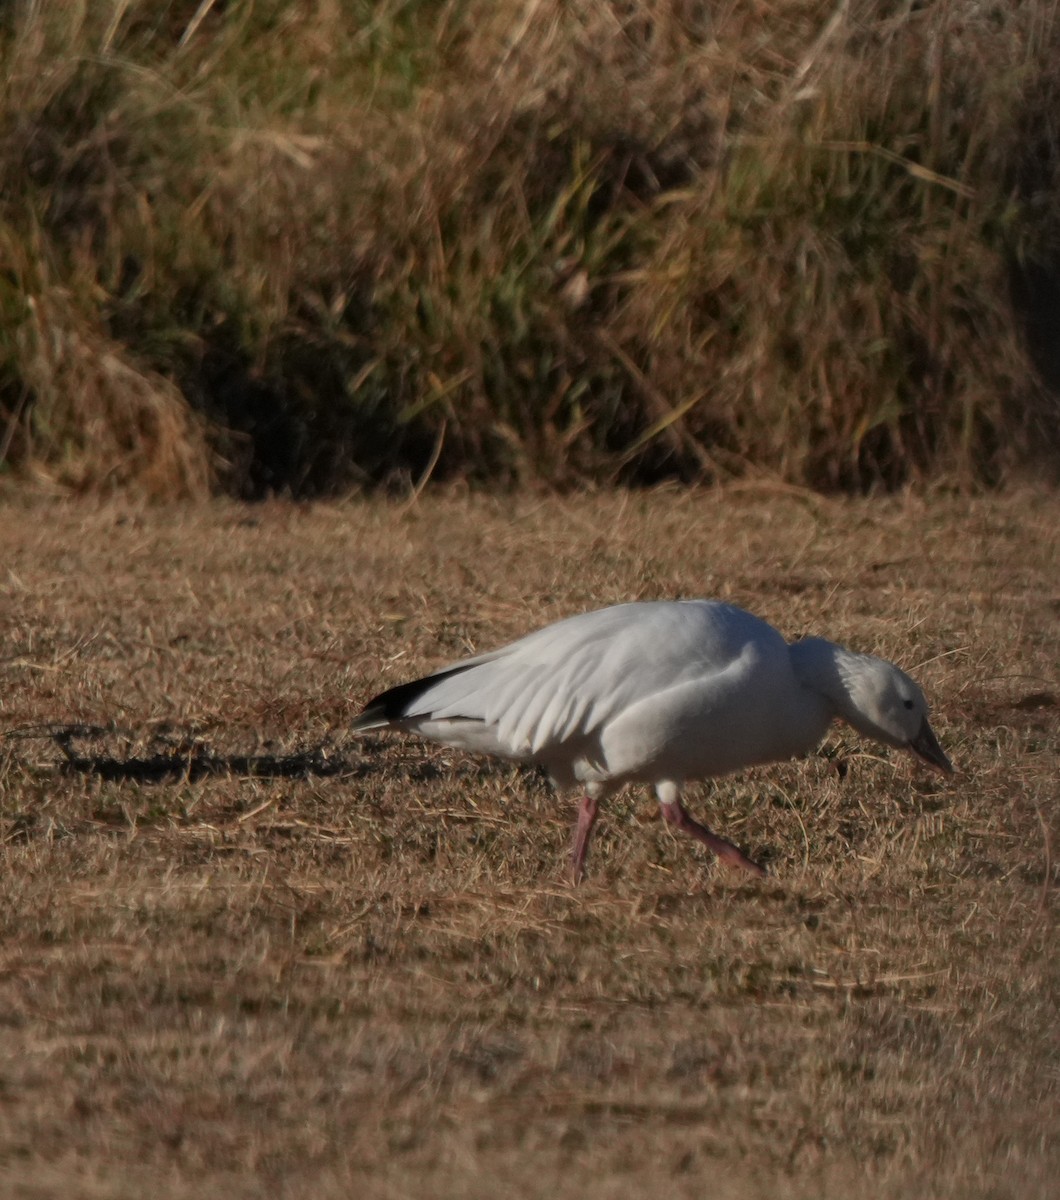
point(376, 983)
point(565, 241)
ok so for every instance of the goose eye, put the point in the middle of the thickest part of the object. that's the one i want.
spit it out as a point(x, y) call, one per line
point(908, 703)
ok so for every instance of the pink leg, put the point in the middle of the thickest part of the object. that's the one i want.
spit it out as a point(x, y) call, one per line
point(675, 814)
point(586, 816)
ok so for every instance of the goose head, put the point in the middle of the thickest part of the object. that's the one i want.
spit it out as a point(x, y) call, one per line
point(889, 706)
point(872, 695)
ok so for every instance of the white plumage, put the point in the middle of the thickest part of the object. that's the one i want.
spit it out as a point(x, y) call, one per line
point(660, 692)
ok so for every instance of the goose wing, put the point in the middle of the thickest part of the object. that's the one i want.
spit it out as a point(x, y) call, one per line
point(569, 680)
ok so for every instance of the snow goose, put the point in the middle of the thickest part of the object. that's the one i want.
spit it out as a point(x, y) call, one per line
point(658, 692)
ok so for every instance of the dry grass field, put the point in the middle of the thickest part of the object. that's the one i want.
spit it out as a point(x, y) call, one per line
point(244, 954)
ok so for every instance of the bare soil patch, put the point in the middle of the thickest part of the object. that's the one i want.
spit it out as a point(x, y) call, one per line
point(245, 954)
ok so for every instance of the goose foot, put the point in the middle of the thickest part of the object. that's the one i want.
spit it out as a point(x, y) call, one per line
point(676, 816)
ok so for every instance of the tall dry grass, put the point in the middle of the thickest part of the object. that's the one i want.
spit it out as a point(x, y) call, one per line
point(326, 243)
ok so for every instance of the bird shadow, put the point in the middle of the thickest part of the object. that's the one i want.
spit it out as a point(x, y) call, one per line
point(171, 755)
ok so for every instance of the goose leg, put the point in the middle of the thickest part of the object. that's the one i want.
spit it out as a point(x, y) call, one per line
point(676, 815)
point(586, 817)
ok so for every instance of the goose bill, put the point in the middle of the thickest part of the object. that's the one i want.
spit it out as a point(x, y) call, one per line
point(926, 746)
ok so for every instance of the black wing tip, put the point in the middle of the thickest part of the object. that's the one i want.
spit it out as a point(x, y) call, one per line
point(392, 706)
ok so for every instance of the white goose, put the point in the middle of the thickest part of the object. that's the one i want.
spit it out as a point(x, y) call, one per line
point(659, 692)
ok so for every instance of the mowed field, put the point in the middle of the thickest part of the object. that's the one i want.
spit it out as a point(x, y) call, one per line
point(244, 954)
